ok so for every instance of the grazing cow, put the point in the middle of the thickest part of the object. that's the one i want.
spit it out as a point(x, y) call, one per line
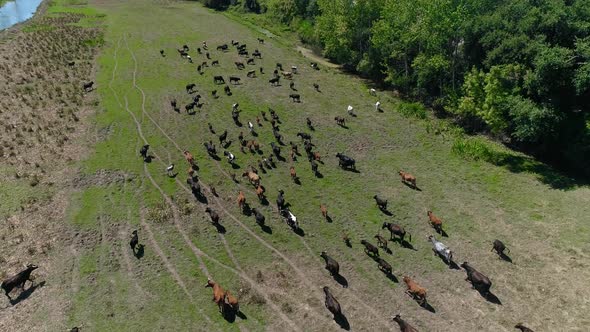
point(222, 47)
point(250, 126)
point(332, 304)
point(324, 211)
point(499, 247)
point(235, 43)
point(522, 328)
point(381, 241)
point(292, 86)
point(231, 302)
point(295, 97)
point(208, 55)
point(403, 325)
point(408, 178)
point(259, 216)
point(331, 264)
point(213, 215)
point(243, 52)
point(162, 53)
point(257, 54)
point(134, 240)
point(223, 137)
point(190, 88)
point(435, 221)
point(88, 86)
point(189, 157)
point(281, 200)
point(350, 110)
point(275, 149)
point(478, 280)
point(381, 203)
point(18, 280)
point(204, 64)
point(260, 40)
point(260, 189)
point(287, 75)
point(218, 80)
point(235, 115)
point(314, 65)
point(290, 219)
point(384, 266)
point(396, 230)
point(304, 136)
point(170, 170)
point(194, 184)
point(227, 90)
point(189, 107)
point(441, 250)
point(309, 124)
point(293, 174)
point(345, 161)
point(372, 92)
point(239, 65)
point(340, 121)
point(274, 81)
point(241, 200)
point(250, 62)
point(378, 106)
point(234, 79)
point(210, 148)
point(346, 240)
point(294, 69)
point(252, 177)
point(144, 151)
point(415, 290)
point(218, 294)
point(190, 60)
point(317, 156)
point(316, 87)
point(199, 50)
point(215, 63)
point(251, 73)
point(279, 66)
point(230, 157)
point(173, 103)
point(370, 249)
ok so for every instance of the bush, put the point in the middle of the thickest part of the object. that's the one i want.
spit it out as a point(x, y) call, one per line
point(415, 110)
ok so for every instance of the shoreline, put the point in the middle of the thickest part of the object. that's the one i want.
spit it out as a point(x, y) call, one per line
point(40, 11)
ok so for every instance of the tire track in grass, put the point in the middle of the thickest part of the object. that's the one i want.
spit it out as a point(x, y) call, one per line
point(302, 275)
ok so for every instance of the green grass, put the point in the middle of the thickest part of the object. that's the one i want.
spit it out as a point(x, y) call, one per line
point(17, 193)
point(480, 189)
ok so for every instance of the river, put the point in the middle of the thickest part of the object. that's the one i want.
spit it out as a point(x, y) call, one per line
point(16, 11)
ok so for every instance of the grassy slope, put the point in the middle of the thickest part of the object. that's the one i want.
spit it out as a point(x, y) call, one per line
point(479, 202)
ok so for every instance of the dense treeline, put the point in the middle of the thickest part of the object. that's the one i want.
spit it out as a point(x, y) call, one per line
point(516, 69)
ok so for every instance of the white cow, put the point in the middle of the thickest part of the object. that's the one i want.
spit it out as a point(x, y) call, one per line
point(378, 106)
point(441, 249)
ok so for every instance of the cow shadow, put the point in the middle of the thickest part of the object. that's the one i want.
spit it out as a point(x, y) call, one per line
point(140, 251)
point(453, 266)
point(247, 210)
point(215, 157)
point(443, 233)
point(238, 123)
point(387, 250)
point(299, 231)
point(201, 198)
point(280, 158)
point(26, 293)
point(343, 126)
point(340, 279)
point(341, 320)
point(412, 186)
point(425, 305)
point(220, 228)
point(328, 218)
point(241, 315)
point(386, 212)
point(227, 144)
point(505, 257)
point(148, 159)
point(264, 201)
point(255, 134)
point(407, 245)
point(266, 229)
point(297, 181)
point(352, 170)
point(235, 166)
point(319, 175)
point(392, 277)
point(490, 297)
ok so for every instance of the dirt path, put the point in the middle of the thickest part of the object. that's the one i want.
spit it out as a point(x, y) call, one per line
point(306, 52)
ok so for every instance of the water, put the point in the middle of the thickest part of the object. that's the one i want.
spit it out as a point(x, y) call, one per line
point(16, 11)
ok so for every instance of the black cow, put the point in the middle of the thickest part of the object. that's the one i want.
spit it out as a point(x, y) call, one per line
point(384, 266)
point(259, 216)
point(499, 247)
point(223, 137)
point(295, 97)
point(218, 80)
point(234, 79)
point(478, 280)
point(18, 280)
point(345, 161)
point(144, 151)
point(332, 304)
point(275, 149)
point(88, 86)
point(522, 328)
point(190, 88)
point(213, 215)
point(281, 200)
point(370, 249)
point(134, 240)
point(304, 136)
point(331, 264)
point(403, 325)
point(381, 203)
point(222, 47)
point(274, 81)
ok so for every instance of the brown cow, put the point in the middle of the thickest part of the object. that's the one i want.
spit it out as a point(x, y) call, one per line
point(189, 157)
point(435, 221)
point(241, 200)
point(403, 325)
point(293, 173)
point(218, 293)
point(260, 192)
point(415, 290)
point(231, 302)
point(324, 210)
point(317, 156)
point(252, 177)
point(381, 241)
point(408, 178)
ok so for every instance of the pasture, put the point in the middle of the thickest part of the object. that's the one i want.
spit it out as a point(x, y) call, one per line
point(277, 274)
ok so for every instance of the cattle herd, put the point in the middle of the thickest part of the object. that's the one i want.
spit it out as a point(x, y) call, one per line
point(226, 302)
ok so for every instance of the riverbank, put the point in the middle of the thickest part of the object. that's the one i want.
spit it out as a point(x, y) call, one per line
point(39, 12)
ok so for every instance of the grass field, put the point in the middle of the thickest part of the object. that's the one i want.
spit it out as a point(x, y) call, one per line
point(278, 276)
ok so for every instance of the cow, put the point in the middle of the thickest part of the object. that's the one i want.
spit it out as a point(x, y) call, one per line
point(250, 62)
point(499, 247)
point(407, 178)
point(218, 80)
point(189, 157)
point(134, 240)
point(381, 203)
point(522, 328)
point(345, 161)
point(234, 79)
point(144, 151)
point(222, 47)
point(293, 174)
point(223, 137)
point(218, 294)
point(478, 280)
point(162, 53)
point(251, 73)
point(290, 218)
point(441, 250)
point(384, 266)
point(435, 221)
point(295, 97)
point(331, 264)
point(88, 86)
point(210, 148)
point(259, 216)
point(314, 167)
point(190, 88)
point(304, 136)
point(415, 290)
point(231, 159)
point(396, 230)
point(260, 40)
point(252, 177)
point(215, 63)
point(281, 200)
point(340, 121)
point(403, 325)
point(316, 87)
point(370, 249)
point(275, 149)
point(274, 81)
point(241, 200)
point(309, 124)
point(213, 215)
point(332, 304)
point(324, 211)
point(381, 242)
point(18, 280)
point(260, 189)
point(227, 90)
point(239, 65)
